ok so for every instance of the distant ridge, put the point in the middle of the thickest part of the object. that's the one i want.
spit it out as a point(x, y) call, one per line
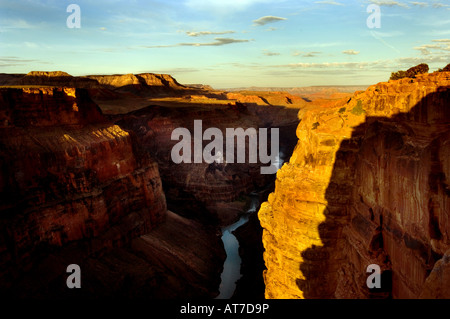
point(305, 89)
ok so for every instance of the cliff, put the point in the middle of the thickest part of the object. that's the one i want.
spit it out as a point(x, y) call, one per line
point(68, 175)
point(138, 83)
point(368, 183)
point(52, 78)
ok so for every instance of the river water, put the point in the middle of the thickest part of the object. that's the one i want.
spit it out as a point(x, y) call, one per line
point(232, 266)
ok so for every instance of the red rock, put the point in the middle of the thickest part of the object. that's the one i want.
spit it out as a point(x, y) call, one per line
point(366, 184)
point(67, 174)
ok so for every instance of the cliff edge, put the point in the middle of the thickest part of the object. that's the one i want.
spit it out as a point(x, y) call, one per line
point(368, 183)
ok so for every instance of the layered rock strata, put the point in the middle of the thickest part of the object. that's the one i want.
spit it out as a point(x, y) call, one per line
point(209, 192)
point(68, 175)
point(368, 183)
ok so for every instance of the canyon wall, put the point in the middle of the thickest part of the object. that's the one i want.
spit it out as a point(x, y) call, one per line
point(368, 183)
point(79, 186)
point(68, 175)
point(211, 192)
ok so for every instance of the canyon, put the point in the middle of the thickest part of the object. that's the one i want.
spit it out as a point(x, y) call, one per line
point(86, 178)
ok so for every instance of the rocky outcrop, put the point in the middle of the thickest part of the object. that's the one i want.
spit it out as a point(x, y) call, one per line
point(68, 175)
point(144, 83)
point(368, 183)
point(54, 78)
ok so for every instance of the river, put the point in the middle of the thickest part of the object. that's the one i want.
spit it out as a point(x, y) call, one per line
point(232, 266)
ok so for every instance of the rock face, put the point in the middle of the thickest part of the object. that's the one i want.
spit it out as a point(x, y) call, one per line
point(368, 183)
point(209, 192)
point(137, 83)
point(54, 78)
point(68, 175)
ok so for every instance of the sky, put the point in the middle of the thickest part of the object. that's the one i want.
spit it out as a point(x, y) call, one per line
point(227, 43)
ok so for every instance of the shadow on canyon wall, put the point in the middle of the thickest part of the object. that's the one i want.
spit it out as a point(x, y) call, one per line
point(388, 167)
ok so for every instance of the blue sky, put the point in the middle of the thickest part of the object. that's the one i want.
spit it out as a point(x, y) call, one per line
point(227, 43)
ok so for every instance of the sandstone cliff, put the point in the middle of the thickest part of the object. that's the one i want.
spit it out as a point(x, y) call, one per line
point(368, 183)
point(154, 83)
point(53, 78)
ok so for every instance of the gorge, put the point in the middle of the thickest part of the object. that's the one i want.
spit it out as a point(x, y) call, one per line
point(92, 184)
point(87, 178)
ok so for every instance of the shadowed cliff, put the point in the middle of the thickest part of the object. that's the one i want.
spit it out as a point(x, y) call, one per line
point(367, 184)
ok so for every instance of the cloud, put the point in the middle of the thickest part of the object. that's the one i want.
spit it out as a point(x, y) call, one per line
point(420, 4)
point(334, 3)
point(439, 45)
point(388, 34)
point(408, 61)
point(7, 61)
point(267, 19)
point(221, 6)
point(441, 40)
point(389, 3)
point(16, 24)
point(322, 45)
point(310, 54)
point(269, 53)
point(350, 52)
point(216, 42)
point(352, 65)
point(201, 33)
point(377, 36)
point(171, 71)
point(439, 5)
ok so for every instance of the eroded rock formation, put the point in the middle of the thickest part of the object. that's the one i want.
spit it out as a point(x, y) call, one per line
point(368, 183)
point(209, 192)
point(67, 174)
point(78, 186)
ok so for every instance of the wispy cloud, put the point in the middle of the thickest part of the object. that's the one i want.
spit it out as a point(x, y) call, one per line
point(334, 3)
point(442, 40)
point(388, 3)
point(7, 61)
point(270, 53)
point(201, 33)
point(420, 4)
point(221, 5)
point(216, 42)
point(439, 5)
point(379, 37)
point(267, 19)
point(321, 44)
point(310, 54)
point(439, 45)
point(350, 52)
point(351, 65)
point(388, 34)
point(15, 24)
